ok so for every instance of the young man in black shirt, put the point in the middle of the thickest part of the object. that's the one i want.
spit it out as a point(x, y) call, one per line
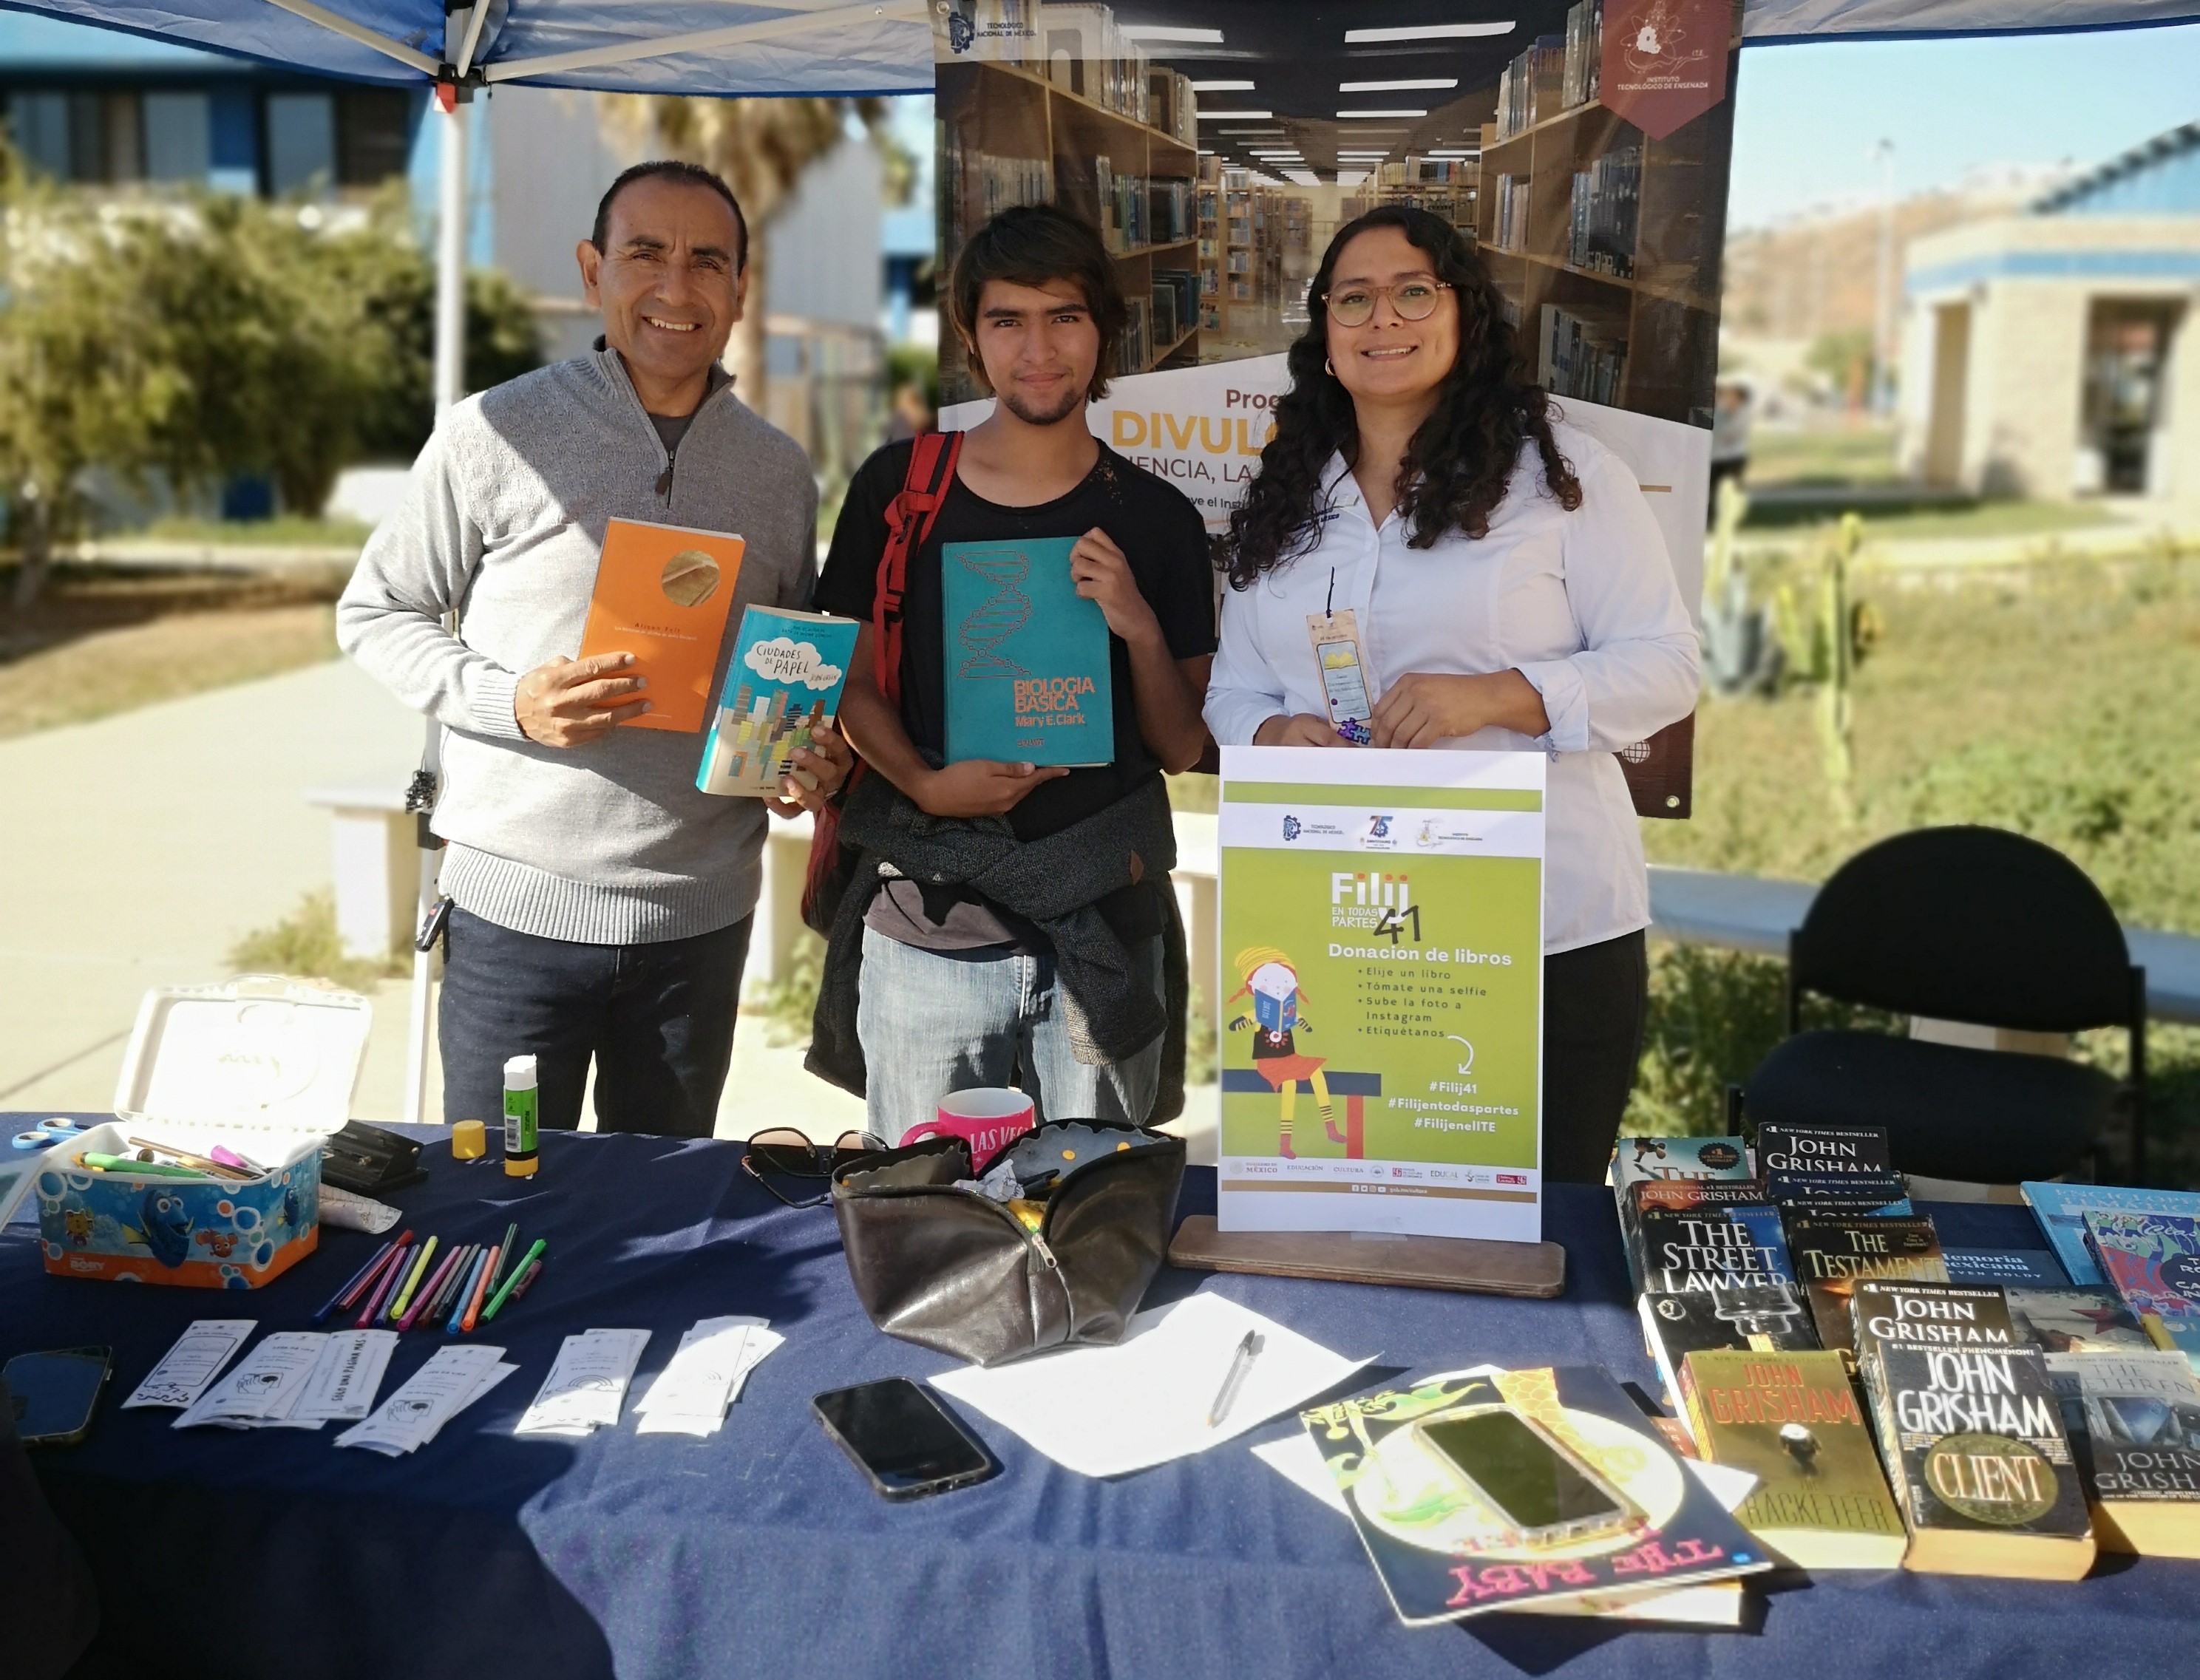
point(1013, 921)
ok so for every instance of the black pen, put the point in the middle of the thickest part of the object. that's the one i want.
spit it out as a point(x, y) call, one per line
point(1234, 1380)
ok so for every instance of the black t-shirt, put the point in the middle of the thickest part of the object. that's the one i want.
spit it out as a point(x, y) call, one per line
point(1162, 536)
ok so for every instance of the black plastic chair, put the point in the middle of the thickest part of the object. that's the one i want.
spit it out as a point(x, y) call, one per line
point(1968, 924)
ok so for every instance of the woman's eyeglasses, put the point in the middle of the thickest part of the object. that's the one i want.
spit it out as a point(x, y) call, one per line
point(1414, 300)
point(784, 1153)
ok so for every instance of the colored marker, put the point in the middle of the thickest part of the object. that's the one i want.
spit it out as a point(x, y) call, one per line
point(480, 1294)
point(349, 1292)
point(522, 1279)
point(372, 1310)
point(466, 1293)
point(505, 1251)
point(452, 1282)
point(151, 1169)
point(423, 1301)
point(520, 1272)
point(403, 1298)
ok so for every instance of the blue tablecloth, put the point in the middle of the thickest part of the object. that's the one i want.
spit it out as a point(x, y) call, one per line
point(761, 1552)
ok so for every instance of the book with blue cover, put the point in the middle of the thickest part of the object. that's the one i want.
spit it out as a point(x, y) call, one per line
point(782, 685)
point(2061, 1210)
point(1734, 1246)
point(1028, 678)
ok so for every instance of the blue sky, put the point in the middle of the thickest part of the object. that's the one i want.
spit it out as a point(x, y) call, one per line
point(1806, 117)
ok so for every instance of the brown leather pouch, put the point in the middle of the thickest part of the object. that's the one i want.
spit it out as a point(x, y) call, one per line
point(950, 1269)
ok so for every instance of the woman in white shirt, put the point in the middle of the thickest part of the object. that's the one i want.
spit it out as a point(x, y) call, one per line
point(1512, 591)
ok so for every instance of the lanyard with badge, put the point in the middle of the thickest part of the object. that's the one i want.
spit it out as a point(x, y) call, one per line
point(1335, 639)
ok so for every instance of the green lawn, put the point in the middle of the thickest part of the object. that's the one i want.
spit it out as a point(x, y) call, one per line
point(2066, 706)
point(284, 531)
point(1781, 455)
point(1925, 520)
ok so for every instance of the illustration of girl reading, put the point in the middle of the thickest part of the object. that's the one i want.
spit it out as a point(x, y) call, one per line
point(1273, 986)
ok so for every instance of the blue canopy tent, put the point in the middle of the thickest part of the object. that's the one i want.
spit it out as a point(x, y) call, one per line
point(733, 48)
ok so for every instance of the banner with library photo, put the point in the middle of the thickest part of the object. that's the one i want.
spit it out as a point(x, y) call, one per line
point(1581, 145)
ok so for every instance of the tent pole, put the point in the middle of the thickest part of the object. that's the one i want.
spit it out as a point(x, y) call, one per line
point(450, 382)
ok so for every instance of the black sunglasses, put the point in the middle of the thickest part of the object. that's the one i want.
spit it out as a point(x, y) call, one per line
point(784, 1152)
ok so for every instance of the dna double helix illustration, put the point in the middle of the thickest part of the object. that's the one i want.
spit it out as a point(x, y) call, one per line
point(998, 617)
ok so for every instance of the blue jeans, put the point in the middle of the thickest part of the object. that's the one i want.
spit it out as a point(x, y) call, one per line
point(657, 1019)
point(933, 1023)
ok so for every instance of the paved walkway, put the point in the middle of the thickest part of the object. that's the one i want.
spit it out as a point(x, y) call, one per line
point(140, 849)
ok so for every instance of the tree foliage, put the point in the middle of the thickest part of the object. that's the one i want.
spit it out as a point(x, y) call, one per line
point(199, 338)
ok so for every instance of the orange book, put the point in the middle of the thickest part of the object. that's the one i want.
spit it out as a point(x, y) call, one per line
point(662, 595)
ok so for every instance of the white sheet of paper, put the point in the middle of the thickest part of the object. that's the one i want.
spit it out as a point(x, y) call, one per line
point(1108, 1410)
point(343, 1385)
point(186, 1369)
point(699, 1379)
point(587, 1384)
point(266, 1385)
point(450, 1380)
point(665, 1419)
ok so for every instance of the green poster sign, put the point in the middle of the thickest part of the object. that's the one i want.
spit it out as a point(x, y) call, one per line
point(1382, 970)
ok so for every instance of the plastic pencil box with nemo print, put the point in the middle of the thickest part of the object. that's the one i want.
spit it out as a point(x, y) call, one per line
point(263, 1066)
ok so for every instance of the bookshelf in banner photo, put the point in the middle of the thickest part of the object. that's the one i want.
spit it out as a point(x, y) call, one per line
point(1110, 138)
point(1600, 238)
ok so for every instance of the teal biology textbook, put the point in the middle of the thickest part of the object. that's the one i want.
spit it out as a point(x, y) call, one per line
point(782, 685)
point(1027, 676)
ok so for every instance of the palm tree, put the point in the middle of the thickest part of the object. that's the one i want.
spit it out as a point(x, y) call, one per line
point(761, 148)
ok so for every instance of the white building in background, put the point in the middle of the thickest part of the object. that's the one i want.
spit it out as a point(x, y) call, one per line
point(2052, 354)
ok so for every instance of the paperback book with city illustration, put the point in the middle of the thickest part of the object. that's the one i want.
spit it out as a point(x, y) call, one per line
point(782, 686)
point(1027, 676)
point(1518, 1490)
point(1790, 1419)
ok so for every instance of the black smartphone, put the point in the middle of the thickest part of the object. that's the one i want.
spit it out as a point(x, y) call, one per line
point(55, 1394)
point(903, 1439)
point(1547, 1493)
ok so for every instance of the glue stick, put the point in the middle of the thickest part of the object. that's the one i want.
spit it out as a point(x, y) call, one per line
point(519, 1116)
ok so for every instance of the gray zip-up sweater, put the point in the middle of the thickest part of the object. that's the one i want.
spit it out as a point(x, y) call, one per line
point(504, 520)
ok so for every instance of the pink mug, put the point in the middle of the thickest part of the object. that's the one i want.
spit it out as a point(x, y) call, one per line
point(987, 1118)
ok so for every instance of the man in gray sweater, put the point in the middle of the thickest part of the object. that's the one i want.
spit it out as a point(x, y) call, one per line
point(601, 904)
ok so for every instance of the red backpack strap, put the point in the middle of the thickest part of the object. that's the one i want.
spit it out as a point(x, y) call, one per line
point(910, 518)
